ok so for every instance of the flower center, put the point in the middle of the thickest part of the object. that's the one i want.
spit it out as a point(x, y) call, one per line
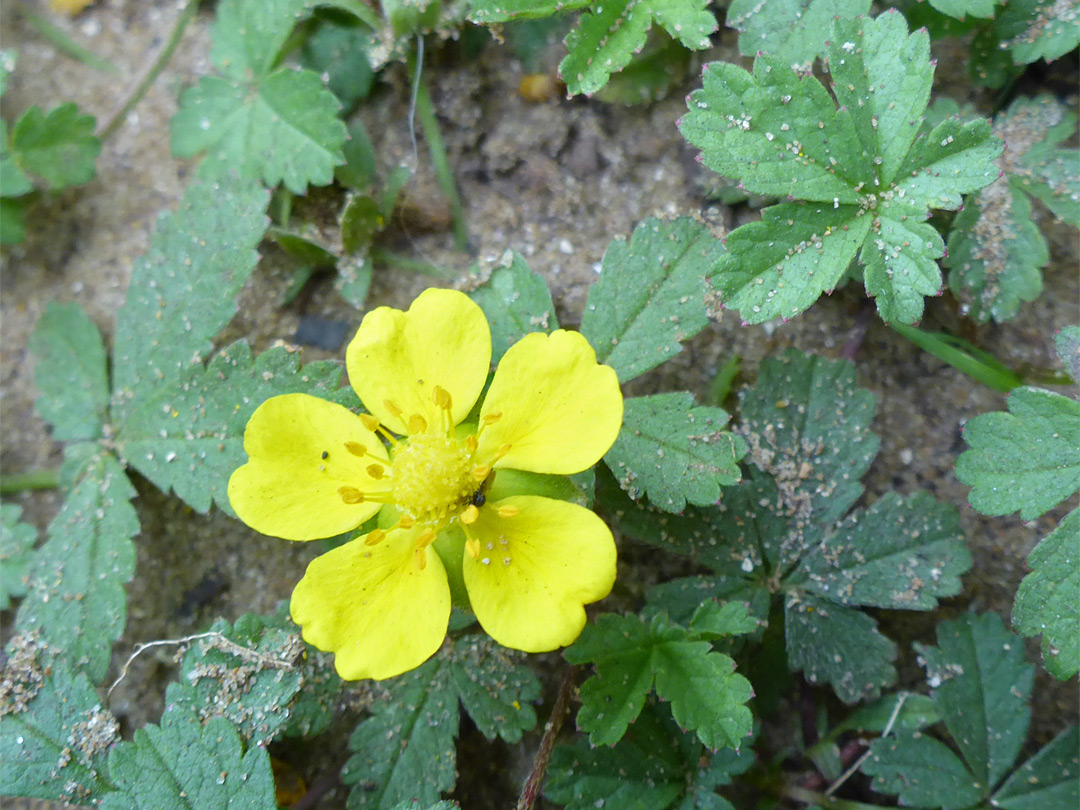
point(432, 477)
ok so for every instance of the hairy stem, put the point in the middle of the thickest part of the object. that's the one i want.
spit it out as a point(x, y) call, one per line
point(547, 744)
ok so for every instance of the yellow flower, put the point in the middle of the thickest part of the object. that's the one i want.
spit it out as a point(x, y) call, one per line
point(454, 515)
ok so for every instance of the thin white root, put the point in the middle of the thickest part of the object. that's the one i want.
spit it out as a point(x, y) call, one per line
point(858, 763)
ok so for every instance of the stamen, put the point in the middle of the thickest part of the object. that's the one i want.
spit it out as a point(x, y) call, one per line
point(370, 422)
point(405, 522)
point(469, 516)
point(502, 451)
point(356, 449)
point(472, 547)
point(420, 558)
point(351, 494)
point(375, 536)
point(426, 539)
point(442, 398)
point(376, 471)
point(481, 471)
point(391, 406)
point(492, 417)
point(417, 424)
point(471, 444)
point(508, 511)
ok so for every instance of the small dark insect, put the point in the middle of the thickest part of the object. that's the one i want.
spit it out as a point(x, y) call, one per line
point(325, 454)
point(478, 498)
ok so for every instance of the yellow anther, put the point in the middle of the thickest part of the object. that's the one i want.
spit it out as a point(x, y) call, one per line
point(469, 516)
point(375, 536)
point(442, 398)
point(502, 451)
point(492, 417)
point(356, 448)
point(393, 408)
point(481, 471)
point(376, 471)
point(351, 494)
point(405, 522)
point(417, 424)
point(471, 444)
point(472, 547)
point(370, 422)
point(508, 511)
point(420, 557)
point(426, 539)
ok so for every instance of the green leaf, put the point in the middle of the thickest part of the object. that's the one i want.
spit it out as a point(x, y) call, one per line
point(354, 280)
point(17, 541)
point(496, 687)
point(606, 37)
point(1048, 599)
point(12, 221)
point(838, 645)
point(964, 8)
point(485, 12)
point(283, 129)
point(189, 436)
point(13, 180)
point(675, 452)
point(1033, 130)
point(901, 553)
point(184, 763)
point(917, 712)
point(1027, 459)
point(340, 54)
point(652, 294)
point(1050, 780)
point(1067, 344)
point(1038, 29)
point(808, 425)
point(797, 30)
point(705, 693)
point(515, 301)
point(405, 750)
point(54, 732)
point(871, 173)
point(651, 768)
point(202, 253)
point(76, 598)
point(248, 674)
point(59, 148)
point(922, 772)
point(71, 372)
point(982, 686)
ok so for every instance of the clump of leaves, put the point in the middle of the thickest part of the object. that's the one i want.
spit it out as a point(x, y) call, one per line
point(44, 152)
point(861, 171)
point(606, 37)
point(782, 532)
point(1028, 459)
point(981, 687)
point(996, 250)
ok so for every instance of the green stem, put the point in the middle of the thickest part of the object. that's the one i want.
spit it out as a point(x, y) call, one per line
point(720, 387)
point(35, 479)
point(186, 16)
point(979, 365)
point(65, 43)
point(425, 111)
point(392, 259)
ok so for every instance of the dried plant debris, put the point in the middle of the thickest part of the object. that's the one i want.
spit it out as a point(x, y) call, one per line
point(996, 250)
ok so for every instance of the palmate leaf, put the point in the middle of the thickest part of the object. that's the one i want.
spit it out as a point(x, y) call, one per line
point(1050, 780)
point(189, 436)
point(203, 253)
point(996, 250)
point(1038, 29)
point(1027, 459)
point(654, 767)
point(965, 8)
point(705, 693)
point(57, 148)
point(496, 11)
point(651, 294)
point(796, 30)
point(868, 176)
point(184, 764)
point(1048, 599)
point(277, 125)
point(675, 452)
point(405, 750)
point(607, 36)
point(54, 733)
point(70, 373)
point(76, 599)
point(17, 541)
point(922, 772)
point(515, 301)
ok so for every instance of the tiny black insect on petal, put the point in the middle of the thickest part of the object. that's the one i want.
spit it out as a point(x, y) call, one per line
point(325, 454)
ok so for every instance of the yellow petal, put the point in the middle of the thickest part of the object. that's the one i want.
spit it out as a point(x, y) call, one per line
point(561, 410)
point(287, 489)
point(536, 570)
point(373, 606)
point(399, 357)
